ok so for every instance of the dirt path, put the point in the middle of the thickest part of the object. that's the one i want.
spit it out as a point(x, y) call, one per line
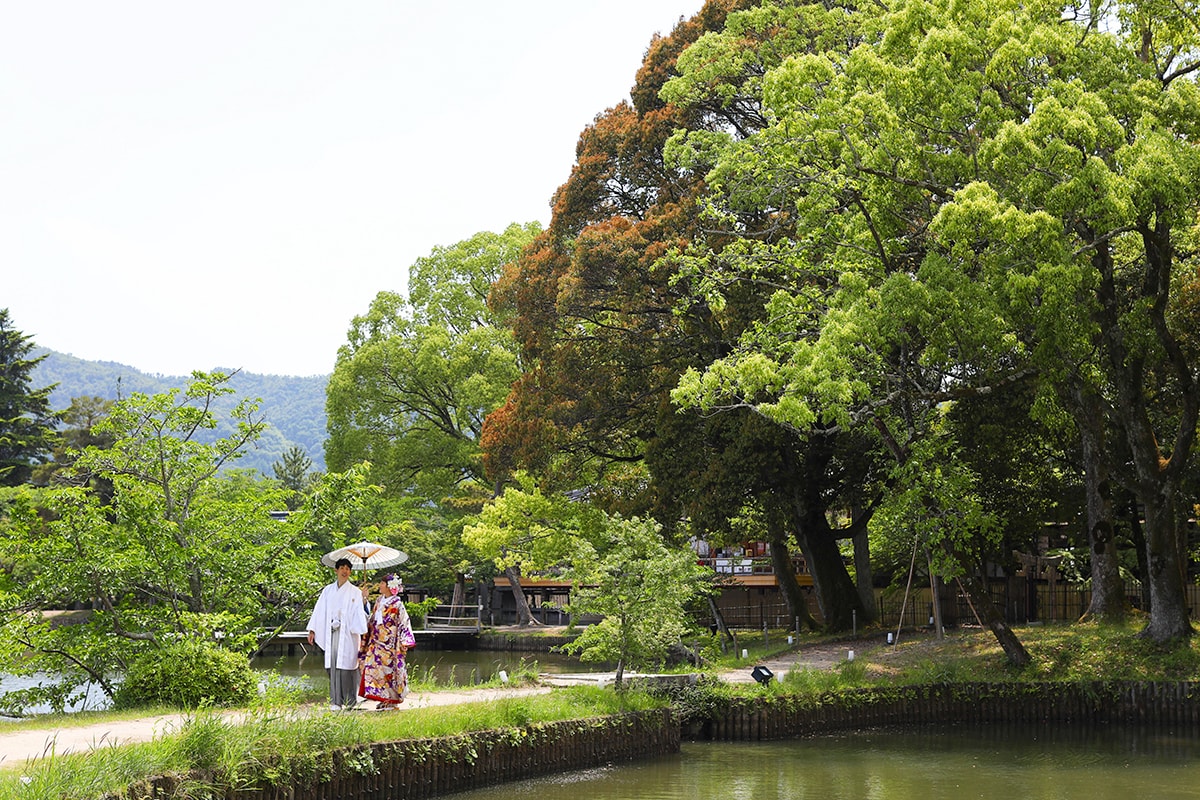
point(28, 743)
point(817, 657)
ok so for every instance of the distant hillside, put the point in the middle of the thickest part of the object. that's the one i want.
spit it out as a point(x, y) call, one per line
point(294, 407)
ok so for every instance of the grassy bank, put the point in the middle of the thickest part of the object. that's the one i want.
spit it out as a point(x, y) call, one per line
point(1078, 652)
point(272, 742)
point(285, 735)
point(1068, 653)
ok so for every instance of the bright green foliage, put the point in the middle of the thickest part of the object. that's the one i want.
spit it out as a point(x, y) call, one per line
point(176, 549)
point(973, 192)
point(417, 378)
point(188, 674)
point(27, 425)
point(528, 529)
point(641, 587)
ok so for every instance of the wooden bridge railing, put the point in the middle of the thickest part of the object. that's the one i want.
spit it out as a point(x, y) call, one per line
point(458, 619)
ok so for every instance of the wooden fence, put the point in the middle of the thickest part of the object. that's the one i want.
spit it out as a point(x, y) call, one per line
point(1022, 601)
point(454, 618)
point(424, 768)
point(1173, 707)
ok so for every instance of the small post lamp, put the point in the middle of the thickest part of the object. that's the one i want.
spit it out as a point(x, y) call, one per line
point(762, 674)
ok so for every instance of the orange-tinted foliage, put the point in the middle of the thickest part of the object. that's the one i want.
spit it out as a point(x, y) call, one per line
point(591, 301)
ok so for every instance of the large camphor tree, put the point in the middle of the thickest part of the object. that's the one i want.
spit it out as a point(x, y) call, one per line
point(979, 193)
point(606, 326)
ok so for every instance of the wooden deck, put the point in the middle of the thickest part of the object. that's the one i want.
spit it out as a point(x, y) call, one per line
point(749, 572)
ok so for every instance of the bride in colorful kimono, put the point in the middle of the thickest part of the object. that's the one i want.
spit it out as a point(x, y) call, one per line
point(389, 637)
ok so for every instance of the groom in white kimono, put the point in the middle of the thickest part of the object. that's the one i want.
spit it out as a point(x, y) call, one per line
point(336, 626)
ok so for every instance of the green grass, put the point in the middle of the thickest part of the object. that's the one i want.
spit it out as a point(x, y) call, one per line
point(1068, 652)
point(1087, 651)
point(277, 744)
point(288, 735)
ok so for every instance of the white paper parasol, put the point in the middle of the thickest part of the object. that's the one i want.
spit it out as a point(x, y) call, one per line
point(366, 555)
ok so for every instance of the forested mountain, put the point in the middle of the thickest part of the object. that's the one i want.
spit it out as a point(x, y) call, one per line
point(294, 407)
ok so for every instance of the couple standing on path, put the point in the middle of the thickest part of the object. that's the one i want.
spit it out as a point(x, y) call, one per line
point(373, 667)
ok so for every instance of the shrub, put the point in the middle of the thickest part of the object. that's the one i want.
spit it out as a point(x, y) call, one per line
point(418, 611)
point(187, 675)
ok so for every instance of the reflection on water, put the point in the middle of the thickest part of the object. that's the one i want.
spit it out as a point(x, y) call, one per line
point(990, 763)
point(92, 697)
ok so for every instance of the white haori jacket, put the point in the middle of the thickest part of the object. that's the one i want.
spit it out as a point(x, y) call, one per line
point(342, 605)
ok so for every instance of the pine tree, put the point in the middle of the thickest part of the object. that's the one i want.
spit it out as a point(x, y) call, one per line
point(27, 423)
point(293, 471)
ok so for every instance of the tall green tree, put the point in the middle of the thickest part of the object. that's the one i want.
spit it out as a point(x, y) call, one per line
point(182, 548)
point(294, 473)
point(978, 193)
point(414, 383)
point(27, 423)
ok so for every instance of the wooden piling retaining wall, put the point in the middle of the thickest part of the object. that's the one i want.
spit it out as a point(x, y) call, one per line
point(426, 768)
point(422, 768)
point(508, 642)
point(1173, 706)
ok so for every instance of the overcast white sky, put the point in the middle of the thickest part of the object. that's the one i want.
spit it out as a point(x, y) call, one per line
point(226, 184)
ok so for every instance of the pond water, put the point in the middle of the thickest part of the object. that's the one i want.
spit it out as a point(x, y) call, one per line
point(444, 667)
point(989, 763)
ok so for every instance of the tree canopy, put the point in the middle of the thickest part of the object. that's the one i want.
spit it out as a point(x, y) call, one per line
point(975, 193)
point(176, 548)
point(27, 423)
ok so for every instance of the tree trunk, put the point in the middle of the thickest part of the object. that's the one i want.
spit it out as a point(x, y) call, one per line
point(524, 613)
point(1129, 512)
point(837, 596)
point(991, 617)
point(1108, 591)
point(785, 576)
point(863, 578)
point(1133, 370)
point(1166, 563)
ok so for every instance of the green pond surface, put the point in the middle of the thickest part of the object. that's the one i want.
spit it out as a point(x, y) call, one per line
point(1009, 762)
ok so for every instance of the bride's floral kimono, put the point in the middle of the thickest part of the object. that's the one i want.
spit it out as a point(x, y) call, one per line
point(389, 636)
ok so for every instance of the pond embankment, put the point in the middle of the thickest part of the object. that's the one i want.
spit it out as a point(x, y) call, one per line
point(433, 767)
point(521, 640)
point(423, 768)
point(1173, 706)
